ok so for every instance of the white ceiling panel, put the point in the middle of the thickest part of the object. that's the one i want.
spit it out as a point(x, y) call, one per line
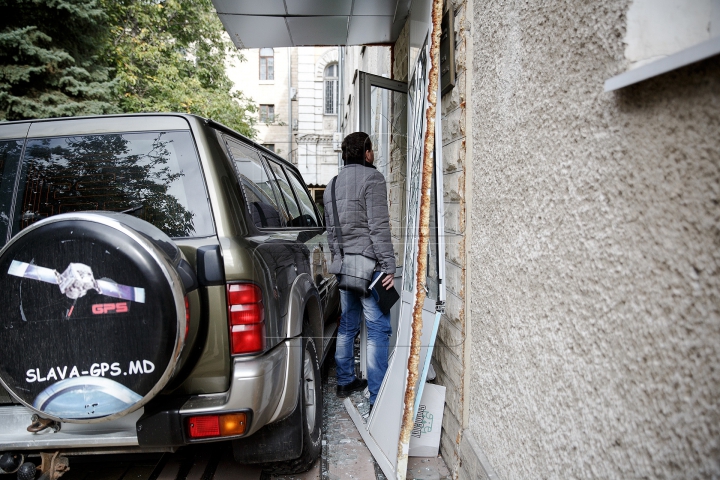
point(319, 7)
point(369, 30)
point(256, 31)
point(318, 30)
point(250, 7)
point(374, 7)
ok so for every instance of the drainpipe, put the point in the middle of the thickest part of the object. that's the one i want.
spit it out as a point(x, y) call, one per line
point(341, 96)
point(290, 120)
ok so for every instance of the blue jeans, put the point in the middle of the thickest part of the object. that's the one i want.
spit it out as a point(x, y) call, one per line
point(378, 332)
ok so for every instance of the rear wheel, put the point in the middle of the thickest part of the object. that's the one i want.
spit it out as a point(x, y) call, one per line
point(311, 404)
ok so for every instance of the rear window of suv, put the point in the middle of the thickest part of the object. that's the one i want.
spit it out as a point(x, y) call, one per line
point(152, 175)
point(10, 151)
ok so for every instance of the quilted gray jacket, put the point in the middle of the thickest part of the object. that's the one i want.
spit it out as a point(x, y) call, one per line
point(361, 196)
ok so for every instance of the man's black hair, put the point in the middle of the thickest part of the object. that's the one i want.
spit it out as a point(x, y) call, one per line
point(354, 147)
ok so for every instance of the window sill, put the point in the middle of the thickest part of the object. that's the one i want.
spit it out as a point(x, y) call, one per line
point(266, 82)
point(698, 52)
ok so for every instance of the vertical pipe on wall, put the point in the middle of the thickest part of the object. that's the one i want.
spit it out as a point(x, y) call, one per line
point(341, 96)
point(290, 120)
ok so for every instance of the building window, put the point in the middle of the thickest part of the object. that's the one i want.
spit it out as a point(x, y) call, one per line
point(267, 113)
point(269, 146)
point(331, 88)
point(267, 64)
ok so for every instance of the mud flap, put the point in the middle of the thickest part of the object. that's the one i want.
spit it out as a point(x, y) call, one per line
point(276, 442)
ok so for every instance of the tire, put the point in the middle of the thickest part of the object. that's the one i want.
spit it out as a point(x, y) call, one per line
point(311, 402)
point(94, 303)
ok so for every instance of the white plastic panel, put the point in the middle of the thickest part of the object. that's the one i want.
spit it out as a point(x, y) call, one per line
point(304, 30)
point(319, 7)
point(373, 29)
point(256, 32)
point(250, 7)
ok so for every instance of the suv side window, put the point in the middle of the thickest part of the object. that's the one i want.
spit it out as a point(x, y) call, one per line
point(261, 195)
point(291, 202)
point(309, 218)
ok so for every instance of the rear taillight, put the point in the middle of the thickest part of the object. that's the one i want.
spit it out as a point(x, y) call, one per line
point(246, 316)
point(227, 425)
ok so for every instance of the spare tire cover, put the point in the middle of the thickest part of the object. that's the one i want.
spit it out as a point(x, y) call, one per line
point(92, 318)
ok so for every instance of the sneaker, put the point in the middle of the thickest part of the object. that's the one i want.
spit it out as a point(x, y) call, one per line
point(354, 386)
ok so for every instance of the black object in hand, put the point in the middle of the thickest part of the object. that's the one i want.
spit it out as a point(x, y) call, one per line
point(385, 298)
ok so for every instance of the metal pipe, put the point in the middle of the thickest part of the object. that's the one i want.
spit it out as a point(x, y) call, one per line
point(290, 120)
point(341, 96)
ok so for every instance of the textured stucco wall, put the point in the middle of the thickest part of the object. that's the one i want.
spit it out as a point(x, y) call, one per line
point(595, 290)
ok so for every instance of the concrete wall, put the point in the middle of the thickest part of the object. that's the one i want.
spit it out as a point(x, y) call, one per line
point(593, 262)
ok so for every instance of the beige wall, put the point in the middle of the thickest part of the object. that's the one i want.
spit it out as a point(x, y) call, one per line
point(317, 160)
point(593, 263)
point(246, 77)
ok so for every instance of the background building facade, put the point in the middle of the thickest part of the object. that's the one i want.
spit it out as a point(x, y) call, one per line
point(296, 92)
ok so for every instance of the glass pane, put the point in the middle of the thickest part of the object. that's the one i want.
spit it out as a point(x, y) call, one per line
point(9, 157)
point(259, 189)
point(263, 69)
point(287, 194)
point(417, 94)
point(152, 175)
point(388, 124)
point(380, 128)
point(271, 68)
point(308, 217)
point(433, 279)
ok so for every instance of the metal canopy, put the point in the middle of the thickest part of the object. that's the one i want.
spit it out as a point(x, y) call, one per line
point(290, 23)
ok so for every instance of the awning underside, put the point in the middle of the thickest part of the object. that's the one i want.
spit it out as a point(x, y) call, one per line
point(289, 23)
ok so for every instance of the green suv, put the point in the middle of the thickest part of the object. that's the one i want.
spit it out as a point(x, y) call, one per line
point(163, 281)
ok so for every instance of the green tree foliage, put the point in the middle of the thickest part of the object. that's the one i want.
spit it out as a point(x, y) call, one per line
point(170, 55)
point(49, 59)
point(82, 57)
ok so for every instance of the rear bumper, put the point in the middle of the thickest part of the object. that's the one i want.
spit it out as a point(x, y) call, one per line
point(14, 421)
point(264, 387)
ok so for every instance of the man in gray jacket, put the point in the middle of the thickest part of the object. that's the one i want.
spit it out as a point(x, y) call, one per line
point(361, 196)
